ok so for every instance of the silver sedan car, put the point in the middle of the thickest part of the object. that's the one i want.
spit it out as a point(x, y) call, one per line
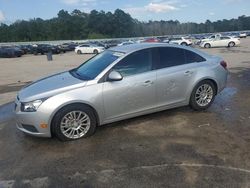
point(120, 83)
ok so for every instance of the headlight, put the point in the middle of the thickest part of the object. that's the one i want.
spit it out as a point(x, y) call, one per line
point(31, 106)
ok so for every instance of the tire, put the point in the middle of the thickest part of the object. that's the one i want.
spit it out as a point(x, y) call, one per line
point(207, 45)
point(66, 119)
point(184, 44)
point(231, 44)
point(79, 52)
point(95, 51)
point(197, 97)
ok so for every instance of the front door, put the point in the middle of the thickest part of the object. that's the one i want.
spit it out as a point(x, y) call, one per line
point(135, 93)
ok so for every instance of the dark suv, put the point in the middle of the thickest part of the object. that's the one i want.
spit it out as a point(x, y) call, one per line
point(8, 52)
point(45, 48)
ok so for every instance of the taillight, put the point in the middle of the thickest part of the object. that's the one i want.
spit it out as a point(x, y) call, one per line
point(223, 64)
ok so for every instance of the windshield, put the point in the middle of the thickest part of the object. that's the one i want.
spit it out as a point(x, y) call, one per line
point(94, 66)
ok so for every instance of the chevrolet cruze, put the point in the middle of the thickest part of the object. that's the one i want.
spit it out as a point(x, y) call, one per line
point(120, 83)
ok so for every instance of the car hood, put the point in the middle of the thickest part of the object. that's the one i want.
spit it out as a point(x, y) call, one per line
point(50, 86)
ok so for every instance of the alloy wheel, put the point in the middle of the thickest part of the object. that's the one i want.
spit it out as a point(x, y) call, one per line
point(75, 124)
point(204, 95)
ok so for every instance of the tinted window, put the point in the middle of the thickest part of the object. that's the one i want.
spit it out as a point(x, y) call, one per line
point(135, 63)
point(225, 38)
point(192, 57)
point(171, 57)
point(176, 39)
point(90, 69)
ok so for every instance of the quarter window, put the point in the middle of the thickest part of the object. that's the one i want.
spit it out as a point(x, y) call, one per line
point(192, 57)
point(135, 63)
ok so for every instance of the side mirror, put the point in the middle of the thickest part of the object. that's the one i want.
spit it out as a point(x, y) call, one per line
point(114, 76)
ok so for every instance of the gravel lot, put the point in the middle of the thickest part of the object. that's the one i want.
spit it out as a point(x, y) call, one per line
point(173, 148)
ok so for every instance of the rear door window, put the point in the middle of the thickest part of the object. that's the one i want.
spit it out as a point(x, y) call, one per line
point(170, 56)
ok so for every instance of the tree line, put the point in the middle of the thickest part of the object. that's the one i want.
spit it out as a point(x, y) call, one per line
point(79, 25)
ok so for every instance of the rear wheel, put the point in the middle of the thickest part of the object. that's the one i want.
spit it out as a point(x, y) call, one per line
point(74, 122)
point(231, 44)
point(203, 95)
point(184, 44)
point(79, 52)
point(207, 45)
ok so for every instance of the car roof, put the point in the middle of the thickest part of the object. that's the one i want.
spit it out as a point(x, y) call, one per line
point(140, 46)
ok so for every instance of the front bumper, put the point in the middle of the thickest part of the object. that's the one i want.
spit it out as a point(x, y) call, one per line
point(30, 122)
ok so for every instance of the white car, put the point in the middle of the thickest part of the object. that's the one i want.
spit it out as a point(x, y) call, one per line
point(89, 49)
point(212, 37)
point(243, 35)
point(223, 41)
point(181, 41)
point(125, 43)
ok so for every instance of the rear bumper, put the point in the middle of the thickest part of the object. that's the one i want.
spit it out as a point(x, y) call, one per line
point(222, 82)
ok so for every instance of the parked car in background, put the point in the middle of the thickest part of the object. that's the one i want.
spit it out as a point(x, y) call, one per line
point(216, 36)
point(243, 35)
point(163, 39)
point(45, 48)
point(111, 43)
point(118, 84)
point(66, 47)
point(152, 40)
point(223, 41)
point(27, 49)
point(100, 44)
point(181, 41)
point(89, 49)
point(9, 52)
point(125, 43)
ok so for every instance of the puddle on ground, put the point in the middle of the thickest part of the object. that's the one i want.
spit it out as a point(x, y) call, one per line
point(12, 87)
point(228, 93)
point(6, 112)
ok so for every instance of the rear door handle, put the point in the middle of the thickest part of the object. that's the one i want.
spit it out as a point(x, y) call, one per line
point(148, 83)
point(187, 73)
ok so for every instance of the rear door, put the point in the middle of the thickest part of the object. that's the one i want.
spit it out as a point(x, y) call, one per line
point(225, 41)
point(218, 42)
point(175, 74)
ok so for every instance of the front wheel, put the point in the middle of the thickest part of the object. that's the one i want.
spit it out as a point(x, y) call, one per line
point(231, 44)
point(202, 95)
point(184, 44)
point(74, 122)
point(79, 52)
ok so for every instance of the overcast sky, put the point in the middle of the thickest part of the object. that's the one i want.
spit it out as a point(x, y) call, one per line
point(144, 10)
